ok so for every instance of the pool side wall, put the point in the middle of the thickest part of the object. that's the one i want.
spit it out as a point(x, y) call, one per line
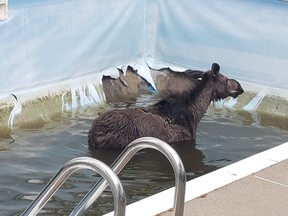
point(59, 50)
point(49, 41)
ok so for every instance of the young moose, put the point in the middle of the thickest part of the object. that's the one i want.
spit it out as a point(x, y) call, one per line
point(174, 118)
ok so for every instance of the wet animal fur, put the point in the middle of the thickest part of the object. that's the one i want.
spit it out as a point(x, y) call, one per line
point(177, 82)
point(174, 118)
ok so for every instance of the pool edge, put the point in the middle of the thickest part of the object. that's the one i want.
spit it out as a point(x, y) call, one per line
point(197, 187)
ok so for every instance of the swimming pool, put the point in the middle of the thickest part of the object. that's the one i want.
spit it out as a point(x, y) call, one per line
point(53, 53)
point(38, 149)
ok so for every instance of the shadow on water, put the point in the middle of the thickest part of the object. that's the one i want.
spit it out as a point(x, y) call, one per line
point(153, 160)
point(193, 159)
point(149, 171)
point(40, 148)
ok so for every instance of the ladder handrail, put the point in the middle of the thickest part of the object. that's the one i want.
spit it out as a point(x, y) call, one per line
point(124, 158)
point(72, 166)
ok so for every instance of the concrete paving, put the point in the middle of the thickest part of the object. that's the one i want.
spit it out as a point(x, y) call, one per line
point(262, 193)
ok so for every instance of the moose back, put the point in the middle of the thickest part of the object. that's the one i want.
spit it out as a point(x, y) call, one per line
point(174, 118)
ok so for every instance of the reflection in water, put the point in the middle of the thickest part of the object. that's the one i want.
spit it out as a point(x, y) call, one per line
point(40, 148)
point(149, 171)
point(193, 159)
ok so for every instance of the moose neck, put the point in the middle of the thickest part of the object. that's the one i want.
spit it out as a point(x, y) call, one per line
point(201, 99)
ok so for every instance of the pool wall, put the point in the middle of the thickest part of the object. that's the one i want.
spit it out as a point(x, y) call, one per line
point(61, 49)
point(248, 38)
point(48, 41)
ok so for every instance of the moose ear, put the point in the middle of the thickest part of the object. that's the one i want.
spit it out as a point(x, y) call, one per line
point(215, 69)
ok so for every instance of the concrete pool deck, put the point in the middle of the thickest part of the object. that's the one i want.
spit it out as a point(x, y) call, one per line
point(257, 185)
point(262, 193)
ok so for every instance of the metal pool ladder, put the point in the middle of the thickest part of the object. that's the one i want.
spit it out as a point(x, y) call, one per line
point(111, 179)
point(72, 166)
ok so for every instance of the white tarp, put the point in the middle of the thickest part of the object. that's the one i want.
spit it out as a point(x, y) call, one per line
point(247, 38)
point(48, 41)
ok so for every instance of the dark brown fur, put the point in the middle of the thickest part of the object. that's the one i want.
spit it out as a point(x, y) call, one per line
point(177, 82)
point(174, 118)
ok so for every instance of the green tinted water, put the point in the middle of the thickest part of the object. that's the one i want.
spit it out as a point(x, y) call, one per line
point(36, 151)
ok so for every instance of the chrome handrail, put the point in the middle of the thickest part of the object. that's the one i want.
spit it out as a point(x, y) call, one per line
point(71, 167)
point(123, 159)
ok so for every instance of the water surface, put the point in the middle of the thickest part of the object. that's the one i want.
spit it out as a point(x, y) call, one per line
point(36, 151)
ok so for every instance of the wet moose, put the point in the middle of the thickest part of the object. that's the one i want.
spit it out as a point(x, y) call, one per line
point(174, 118)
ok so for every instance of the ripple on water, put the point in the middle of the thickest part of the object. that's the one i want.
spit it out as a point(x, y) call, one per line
point(224, 136)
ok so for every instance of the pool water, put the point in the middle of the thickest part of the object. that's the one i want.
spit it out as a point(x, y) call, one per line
point(36, 151)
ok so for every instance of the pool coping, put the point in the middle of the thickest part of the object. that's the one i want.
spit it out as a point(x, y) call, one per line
point(197, 187)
